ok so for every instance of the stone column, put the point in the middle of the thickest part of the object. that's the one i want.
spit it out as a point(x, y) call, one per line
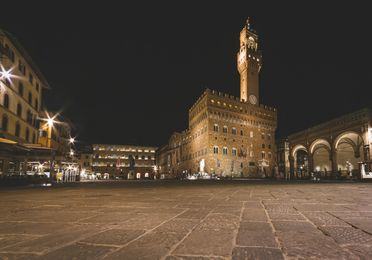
point(310, 163)
point(334, 161)
point(291, 166)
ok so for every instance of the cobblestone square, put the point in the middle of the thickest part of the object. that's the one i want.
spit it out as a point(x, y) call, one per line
point(187, 220)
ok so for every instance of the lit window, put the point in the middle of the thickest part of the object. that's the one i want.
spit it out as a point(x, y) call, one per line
point(251, 134)
point(212, 101)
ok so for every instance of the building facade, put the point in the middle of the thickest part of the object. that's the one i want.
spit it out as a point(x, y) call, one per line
point(21, 85)
point(124, 161)
point(227, 136)
point(333, 148)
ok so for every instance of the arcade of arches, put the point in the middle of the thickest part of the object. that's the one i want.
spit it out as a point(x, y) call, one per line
point(339, 152)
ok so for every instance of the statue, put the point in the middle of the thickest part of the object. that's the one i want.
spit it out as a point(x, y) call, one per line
point(202, 165)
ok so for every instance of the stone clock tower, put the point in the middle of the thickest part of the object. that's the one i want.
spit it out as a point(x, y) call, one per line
point(249, 61)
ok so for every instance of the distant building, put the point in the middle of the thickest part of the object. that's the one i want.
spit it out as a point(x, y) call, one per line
point(227, 136)
point(124, 161)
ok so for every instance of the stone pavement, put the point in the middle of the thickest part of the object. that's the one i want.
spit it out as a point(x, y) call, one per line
point(187, 220)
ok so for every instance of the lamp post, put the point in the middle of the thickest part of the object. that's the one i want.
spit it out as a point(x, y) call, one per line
point(50, 123)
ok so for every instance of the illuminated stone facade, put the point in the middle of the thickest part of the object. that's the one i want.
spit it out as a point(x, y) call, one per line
point(115, 160)
point(333, 148)
point(228, 136)
point(21, 95)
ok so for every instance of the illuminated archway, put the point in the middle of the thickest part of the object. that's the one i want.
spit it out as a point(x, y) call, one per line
point(300, 162)
point(320, 150)
point(349, 151)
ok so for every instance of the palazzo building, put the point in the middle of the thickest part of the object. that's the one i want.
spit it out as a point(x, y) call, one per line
point(124, 161)
point(227, 136)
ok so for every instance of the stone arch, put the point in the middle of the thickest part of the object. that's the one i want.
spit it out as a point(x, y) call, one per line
point(320, 150)
point(300, 161)
point(349, 151)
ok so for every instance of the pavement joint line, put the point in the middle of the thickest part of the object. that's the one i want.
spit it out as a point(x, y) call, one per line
point(144, 234)
point(81, 219)
point(21, 253)
point(324, 233)
point(97, 244)
point(209, 256)
point(240, 221)
point(171, 250)
point(350, 223)
point(279, 244)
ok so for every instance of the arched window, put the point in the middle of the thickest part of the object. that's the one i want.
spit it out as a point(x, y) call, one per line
point(4, 123)
point(233, 151)
point(27, 134)
point(17, 129)
point(19, 110)
point(215, 149)
point(224, 129)
point(224, 150)
point(263, 155)
point(233, 131)
point(6, 101)
point(215, 127)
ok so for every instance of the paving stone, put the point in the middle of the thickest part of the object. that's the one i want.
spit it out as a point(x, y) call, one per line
point(207, 242)
point(347, 235)
point(154, 245)
point(219, 221)
point(54, 240)
point(285, 217)
point(195, 213)
point(9, 240)
point(114, 237)
point(294, 226)
point(253, 205)
point(248, 253)
point(324, 219)
point(178, 225)
point(146, 221)
point(363, 251)
point(254, 215)
point(255, 234)
point(18, 256)
point(30, 228)
point(309, 245)
point(78, 251)
point(178, 257)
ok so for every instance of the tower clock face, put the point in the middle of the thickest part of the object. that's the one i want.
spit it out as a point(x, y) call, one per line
point(253, 99)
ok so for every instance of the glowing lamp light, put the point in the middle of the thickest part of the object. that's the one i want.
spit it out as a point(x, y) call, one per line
point(6, 74)
point(72, 153)
point(50, 122)
point(72, 140)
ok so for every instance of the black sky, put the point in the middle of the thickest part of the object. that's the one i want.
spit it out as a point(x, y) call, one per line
point(129, 73)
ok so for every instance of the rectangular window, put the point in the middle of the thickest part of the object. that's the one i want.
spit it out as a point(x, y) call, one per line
point(233, 131)
point(225, 150)
point(31, 78)
point(233, 151)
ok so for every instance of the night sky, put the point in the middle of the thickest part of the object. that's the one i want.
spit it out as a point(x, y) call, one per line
point(127, 74)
